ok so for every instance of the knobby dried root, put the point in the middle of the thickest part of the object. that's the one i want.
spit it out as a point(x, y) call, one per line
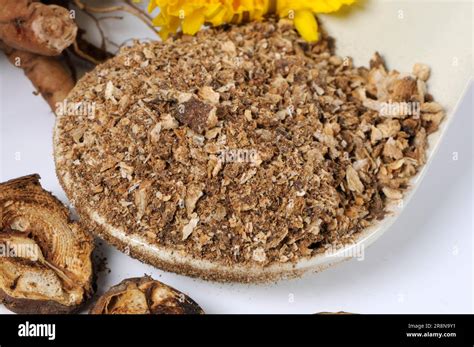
point(32, 34)
point(45, 258)
point(49, 75)
point(32, 31)
point(35, 27)
point(144, 295)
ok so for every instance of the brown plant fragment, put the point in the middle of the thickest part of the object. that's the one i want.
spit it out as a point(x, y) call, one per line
point(144, 295)
point(45, 265)
point(404, 89)
point(196, 114)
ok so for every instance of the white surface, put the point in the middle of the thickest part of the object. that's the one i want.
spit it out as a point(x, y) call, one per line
point(424, 263)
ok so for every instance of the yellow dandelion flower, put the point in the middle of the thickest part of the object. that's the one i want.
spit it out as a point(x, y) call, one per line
point(191, 15)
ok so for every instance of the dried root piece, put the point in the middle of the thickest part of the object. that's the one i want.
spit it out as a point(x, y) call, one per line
point(49, 75)
point(45, 258)
point(35, 27)
point(144, 295)
point(88, 51)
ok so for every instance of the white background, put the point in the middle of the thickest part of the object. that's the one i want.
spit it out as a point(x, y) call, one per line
point(423, 264)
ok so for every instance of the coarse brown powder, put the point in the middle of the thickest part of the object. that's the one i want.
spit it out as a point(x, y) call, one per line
point(244, 144)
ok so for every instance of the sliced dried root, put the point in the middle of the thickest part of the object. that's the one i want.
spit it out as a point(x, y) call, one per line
point(45, 258)
point(144, 295)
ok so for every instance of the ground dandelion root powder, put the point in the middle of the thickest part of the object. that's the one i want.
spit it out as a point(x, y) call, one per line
point(242, 145)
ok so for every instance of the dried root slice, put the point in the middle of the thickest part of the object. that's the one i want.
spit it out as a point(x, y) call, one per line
point(144, 295)
point(45, 258)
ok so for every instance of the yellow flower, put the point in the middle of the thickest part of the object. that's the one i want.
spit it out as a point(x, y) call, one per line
point(190, 15)
point(302, 12)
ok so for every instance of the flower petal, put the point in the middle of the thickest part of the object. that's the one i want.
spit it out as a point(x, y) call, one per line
point(151, 6)
point(193, 22)
point(192, 14)
point(307, 26)
point(326, 6)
